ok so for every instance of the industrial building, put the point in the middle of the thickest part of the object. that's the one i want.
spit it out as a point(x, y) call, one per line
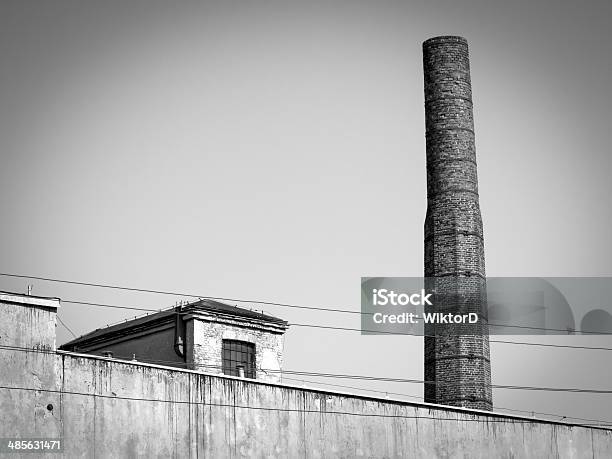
point(204, 335)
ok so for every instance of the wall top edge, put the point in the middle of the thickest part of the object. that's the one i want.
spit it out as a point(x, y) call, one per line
point(425, 405)
point(30, 300)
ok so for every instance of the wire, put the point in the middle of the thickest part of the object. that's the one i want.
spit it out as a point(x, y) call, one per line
point(522, 343)
point(126, 359)
point(238, 300)
point(104, 305)
point(335, 328)
point(334, 310)
point(164, 292)
point(346, 376)
point(287, 410)
point(382, 332)
point(66, 326)
point(607, 422)
point(419, 381)
point(261, 408)
point(566, 331)
point(353, 387)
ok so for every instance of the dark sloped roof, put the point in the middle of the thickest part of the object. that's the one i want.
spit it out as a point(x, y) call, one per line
point(168, 315)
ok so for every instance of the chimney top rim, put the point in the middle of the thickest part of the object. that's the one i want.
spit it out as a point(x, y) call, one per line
point(445, 39)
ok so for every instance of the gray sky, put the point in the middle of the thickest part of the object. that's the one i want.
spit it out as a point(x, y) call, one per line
point(275, 151)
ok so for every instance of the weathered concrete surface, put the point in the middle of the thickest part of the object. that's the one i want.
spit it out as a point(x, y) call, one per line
point(28, 322)
point(101, 413)
point(108, 408)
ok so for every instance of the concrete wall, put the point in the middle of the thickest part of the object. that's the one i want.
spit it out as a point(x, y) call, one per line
point(107, 408)
point(28, 322)
point(101, 413)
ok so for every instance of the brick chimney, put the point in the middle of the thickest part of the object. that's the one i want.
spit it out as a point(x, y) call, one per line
point(457, 363)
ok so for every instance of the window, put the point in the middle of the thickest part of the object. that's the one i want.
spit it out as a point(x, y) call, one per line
point(237, 353)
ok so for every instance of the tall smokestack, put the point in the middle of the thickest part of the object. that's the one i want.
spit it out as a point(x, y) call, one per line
point(457, 365)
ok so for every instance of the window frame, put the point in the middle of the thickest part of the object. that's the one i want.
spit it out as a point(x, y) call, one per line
point(236, 352)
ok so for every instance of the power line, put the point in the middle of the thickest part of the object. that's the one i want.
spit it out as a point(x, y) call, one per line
point(353, 387)
point(170, 293)
point(350, 376)
point(228, 405)
point(565, 331)
point(238, 300)
point(381, 332)
point(66, 326)
point(132, 308)
point(126, 359)
point(359, 330)
point(112, 306)
point(278, 409)
point(521, 343)
point(320, 326)
point(607, 422)
point(419, 381)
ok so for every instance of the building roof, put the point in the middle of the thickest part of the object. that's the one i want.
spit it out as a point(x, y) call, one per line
point(151, 320)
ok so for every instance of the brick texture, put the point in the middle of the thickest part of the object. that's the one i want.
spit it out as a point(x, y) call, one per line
point(207, 337)
point(456, 364)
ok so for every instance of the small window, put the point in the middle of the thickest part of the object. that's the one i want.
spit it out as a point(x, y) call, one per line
point(236, 353)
